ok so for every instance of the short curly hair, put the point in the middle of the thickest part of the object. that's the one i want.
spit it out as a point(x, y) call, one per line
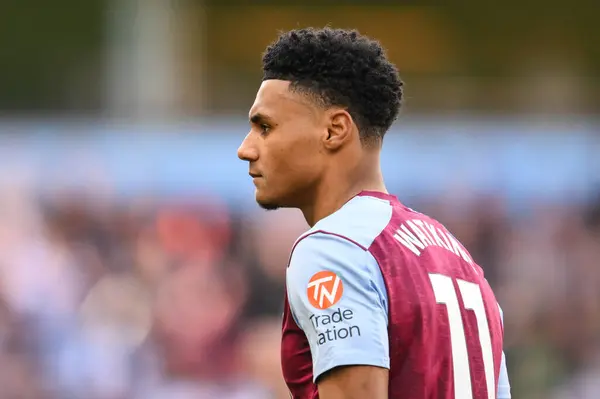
point(339, 68)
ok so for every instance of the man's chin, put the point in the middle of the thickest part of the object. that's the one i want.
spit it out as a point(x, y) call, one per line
point(268, 206)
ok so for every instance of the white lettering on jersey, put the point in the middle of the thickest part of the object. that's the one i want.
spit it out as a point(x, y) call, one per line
point(416, 235)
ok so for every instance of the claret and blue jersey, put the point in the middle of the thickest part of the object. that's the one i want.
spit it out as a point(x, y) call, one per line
point(379, 284)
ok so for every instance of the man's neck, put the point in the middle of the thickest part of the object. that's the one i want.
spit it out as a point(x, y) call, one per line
point(333, 195)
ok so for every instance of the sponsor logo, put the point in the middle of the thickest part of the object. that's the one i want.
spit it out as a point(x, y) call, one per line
point(324, 290)
point(334, 326)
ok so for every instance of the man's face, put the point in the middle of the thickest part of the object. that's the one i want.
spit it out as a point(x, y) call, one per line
point(283, 146)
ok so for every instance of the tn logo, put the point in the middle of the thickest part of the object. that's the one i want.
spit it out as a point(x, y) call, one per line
point(324, 289)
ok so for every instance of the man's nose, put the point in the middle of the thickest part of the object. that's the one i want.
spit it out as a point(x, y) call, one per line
point(247, 151)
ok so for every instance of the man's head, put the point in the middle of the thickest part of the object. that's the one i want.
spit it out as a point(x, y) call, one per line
point(327, 95)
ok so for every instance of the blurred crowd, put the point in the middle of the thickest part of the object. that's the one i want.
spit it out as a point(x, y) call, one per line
point(182, 298)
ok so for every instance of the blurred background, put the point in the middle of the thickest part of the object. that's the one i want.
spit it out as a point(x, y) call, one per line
point(133, 260)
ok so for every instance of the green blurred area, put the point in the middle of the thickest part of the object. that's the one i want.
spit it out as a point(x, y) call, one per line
point(42, 44)
point(53, 54)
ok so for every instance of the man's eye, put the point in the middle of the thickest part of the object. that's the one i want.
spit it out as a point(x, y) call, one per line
point(265, 128)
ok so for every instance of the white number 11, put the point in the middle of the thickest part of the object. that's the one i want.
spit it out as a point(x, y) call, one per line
point(445, 293)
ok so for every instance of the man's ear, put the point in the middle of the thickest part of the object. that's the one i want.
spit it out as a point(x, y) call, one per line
point(340, 128)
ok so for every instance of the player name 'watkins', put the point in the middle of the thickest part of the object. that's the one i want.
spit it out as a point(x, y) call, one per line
point(417, 235)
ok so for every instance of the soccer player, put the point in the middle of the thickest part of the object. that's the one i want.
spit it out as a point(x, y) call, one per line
point(382, 301)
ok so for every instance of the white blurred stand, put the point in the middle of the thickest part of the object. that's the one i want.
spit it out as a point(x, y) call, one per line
point(141, 81)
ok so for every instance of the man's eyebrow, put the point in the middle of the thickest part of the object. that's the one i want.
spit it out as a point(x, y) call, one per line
point(259, 118)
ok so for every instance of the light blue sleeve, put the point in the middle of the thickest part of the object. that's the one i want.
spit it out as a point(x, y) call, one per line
point(503, 382)
point(353, 330)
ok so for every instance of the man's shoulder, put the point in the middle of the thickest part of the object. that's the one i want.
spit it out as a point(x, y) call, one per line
point(340, 243)
point(360, 221)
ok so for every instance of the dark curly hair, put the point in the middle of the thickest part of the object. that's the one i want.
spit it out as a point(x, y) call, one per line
point(339, 68)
